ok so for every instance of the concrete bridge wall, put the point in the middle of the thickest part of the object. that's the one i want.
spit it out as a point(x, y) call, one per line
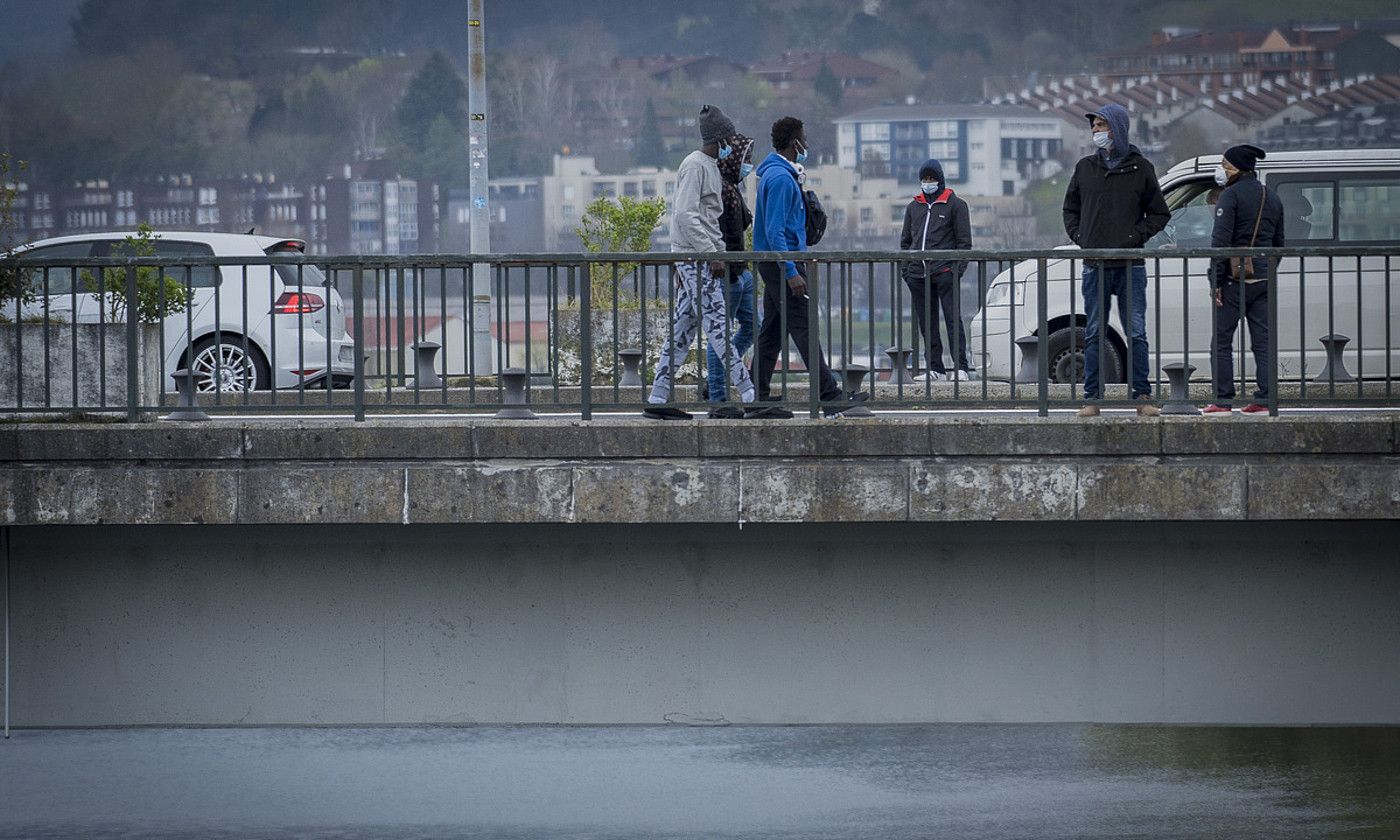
point(1226, 622)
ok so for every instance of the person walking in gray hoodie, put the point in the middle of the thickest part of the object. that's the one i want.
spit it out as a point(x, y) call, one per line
point(695, 211)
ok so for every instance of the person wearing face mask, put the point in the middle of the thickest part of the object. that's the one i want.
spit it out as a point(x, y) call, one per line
point(937, 220)
point(780, 224)
point(695, 212)
point(1247, 214)
point(734, 221)
point(1114, 201)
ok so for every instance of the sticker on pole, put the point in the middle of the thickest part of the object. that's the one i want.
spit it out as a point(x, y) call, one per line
point(479, 202)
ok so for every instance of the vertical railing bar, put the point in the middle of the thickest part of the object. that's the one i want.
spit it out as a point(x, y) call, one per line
point(1011, 335)
point(243, 298)
point(469, 342)
point(358, 307)
point(48, 368)
point(218, 335)
point(982, 303)
point(1271, 375)
point(814, 337)
point(1157, 328)
point(1331, 328)
point(1360, 333)
point(1042, 329)
point(585, 298)
point(133, 359)
point(1074, 389)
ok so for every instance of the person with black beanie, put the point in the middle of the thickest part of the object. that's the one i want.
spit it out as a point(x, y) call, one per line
point(937, 220)
point(1247, 214)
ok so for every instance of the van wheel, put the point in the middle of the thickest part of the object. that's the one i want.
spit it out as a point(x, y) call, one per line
point(1069, 367)
point(219, 363)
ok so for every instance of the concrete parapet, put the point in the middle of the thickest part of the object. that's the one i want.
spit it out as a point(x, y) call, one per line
point(407, 471)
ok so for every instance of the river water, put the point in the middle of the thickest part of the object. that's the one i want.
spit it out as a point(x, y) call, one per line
point(964, 781)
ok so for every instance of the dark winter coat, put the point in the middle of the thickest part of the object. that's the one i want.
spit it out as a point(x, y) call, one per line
point(732, 227)
point(939, 224)
point(1235, 212)
point(1120, 207)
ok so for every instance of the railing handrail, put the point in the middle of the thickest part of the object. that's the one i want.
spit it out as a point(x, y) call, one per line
point(652, 258)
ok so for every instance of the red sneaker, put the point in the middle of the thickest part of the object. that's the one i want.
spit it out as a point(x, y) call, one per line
point(1217, 409)
point(1255, 408)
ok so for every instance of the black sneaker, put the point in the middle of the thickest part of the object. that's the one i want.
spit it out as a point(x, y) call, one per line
point(858, 396)
point(726, 412)
point(766, 412)
point(665, 412)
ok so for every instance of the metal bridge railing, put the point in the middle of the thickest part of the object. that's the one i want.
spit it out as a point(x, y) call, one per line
point(582, 333)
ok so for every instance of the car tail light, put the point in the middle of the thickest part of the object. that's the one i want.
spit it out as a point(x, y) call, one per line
point(293, 303)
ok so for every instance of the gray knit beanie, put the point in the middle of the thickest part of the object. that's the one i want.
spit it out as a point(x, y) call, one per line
point(715, 127)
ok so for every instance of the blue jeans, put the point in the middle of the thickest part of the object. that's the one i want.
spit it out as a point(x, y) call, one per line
point(1115, 285)
point(739, 297)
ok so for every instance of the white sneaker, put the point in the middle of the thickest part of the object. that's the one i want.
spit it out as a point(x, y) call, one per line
point(935, 376)
point(961, 375)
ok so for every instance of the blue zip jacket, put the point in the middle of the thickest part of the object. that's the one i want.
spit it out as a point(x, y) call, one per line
point(779, 216)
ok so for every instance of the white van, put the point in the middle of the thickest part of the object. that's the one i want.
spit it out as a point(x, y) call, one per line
point(292, 331)
point(1330, 198)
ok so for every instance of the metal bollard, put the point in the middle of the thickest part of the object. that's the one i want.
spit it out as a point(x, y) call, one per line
point(1179, 376)
point(1336, 368)
point(899, 365)
point(631, 362)
point(855, 379)
point(513, 405)
point(185, 409)
point(1030, 358)
point(425, 370)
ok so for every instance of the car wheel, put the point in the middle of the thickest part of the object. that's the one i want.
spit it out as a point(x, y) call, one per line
point(219, 363)
point(1069, 367)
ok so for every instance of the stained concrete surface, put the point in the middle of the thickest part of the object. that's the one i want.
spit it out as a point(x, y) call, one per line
point(1276, 623)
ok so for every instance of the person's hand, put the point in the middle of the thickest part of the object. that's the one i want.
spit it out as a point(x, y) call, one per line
point(1219, 301)
point(797, 284)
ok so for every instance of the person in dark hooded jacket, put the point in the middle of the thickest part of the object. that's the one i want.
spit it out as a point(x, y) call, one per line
point(1114, 201)
point(937, 220)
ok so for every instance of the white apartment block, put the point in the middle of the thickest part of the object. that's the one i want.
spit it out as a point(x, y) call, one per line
point(986, 150)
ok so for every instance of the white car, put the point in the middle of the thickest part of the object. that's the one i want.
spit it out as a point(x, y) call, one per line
point(1330, 198)
point(284, 328)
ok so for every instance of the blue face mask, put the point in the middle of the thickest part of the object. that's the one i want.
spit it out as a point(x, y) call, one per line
point(725, 151)
point(744, 170)
point(801, 153)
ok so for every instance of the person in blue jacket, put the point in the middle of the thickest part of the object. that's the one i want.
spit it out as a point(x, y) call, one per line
point(780, 224)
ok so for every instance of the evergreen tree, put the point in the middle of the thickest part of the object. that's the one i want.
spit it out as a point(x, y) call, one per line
point(651, 149)
point(436, 90)
point(827, 85)
point(445, 155)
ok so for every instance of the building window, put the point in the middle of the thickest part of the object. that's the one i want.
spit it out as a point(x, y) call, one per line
point(1008, 187)
point(878, 132)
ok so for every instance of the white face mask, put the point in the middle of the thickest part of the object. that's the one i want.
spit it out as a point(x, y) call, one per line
point(1103, 139)
point(1221, 176)
point(928, 186)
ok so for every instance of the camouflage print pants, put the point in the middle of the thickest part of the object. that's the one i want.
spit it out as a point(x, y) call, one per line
point(713, 320)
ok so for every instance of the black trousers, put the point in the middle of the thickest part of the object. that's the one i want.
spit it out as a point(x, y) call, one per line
point(770, 334)
point(944, 288)
point(1227, 317)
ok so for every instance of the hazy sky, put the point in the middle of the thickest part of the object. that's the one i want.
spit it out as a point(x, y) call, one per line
point(35, 28)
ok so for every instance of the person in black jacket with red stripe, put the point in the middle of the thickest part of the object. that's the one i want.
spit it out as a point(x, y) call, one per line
point(937, 220)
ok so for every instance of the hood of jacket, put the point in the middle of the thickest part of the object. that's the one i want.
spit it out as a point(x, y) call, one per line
point(941, 197)
point(932, 163)
point(775, 159)
point(1118, 123)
